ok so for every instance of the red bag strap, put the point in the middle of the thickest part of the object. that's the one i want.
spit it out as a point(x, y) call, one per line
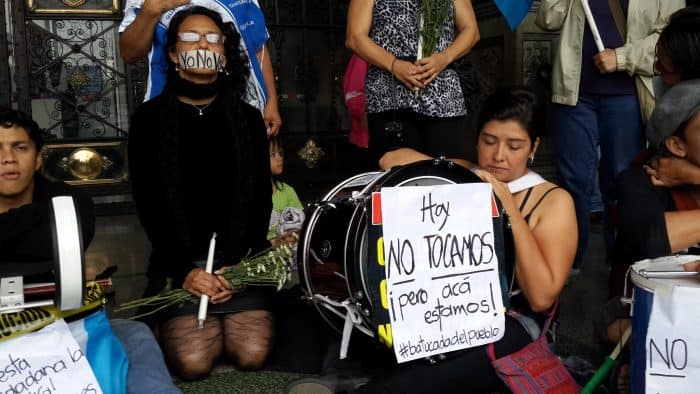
point(491, 348)
point(550, 318)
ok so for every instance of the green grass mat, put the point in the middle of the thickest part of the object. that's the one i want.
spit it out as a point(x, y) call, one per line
point(235, 382)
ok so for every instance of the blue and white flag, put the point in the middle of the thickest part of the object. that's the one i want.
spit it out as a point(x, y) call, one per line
point(514, 10)
point(248, 18)
point(103, 350)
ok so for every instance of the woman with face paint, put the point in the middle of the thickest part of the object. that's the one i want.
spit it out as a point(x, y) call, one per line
point(198, 160)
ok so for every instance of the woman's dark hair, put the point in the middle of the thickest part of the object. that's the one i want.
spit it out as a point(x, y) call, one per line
point(277, 179)
point(10, 117)
point(519, 104)
point(236, 60)
point(680, 40)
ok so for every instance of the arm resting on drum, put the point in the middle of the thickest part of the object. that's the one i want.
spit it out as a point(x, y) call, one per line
point(403, 156)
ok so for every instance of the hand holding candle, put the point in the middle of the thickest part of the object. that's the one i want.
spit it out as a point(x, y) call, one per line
point(204, 300)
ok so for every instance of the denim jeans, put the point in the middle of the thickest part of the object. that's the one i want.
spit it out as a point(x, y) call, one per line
point(147, 370)
point(612, 123)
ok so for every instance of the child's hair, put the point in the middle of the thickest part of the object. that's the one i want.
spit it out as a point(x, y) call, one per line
point(275, 142)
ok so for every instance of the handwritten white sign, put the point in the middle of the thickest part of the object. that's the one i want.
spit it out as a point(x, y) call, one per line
point(441, 269)
point(673, 340)
point(48, 361)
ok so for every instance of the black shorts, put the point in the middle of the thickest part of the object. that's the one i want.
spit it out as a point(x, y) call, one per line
point(431, 135)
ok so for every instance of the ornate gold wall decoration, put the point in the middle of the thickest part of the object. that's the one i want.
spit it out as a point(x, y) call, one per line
point(73, 3)
point(311, 153)
point(91, 163)
point(77, 79)
point(63, 7)
point(85, 163)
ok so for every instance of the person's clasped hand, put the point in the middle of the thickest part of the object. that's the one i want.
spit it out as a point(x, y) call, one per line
point(672, 171)
point(406, 72)
point(198, 282)
point(430, 67)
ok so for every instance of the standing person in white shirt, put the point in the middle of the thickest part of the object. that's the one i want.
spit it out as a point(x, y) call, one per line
point(143, 33)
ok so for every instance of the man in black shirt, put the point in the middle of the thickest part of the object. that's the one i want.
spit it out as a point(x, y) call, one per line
point(26, 241)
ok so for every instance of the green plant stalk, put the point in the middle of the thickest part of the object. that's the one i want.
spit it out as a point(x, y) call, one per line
point(433, 14)
point(269, 268)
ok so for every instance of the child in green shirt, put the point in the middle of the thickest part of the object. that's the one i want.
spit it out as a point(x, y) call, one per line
point(287, 212)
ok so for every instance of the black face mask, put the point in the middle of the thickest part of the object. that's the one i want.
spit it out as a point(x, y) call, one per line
point(183, 87)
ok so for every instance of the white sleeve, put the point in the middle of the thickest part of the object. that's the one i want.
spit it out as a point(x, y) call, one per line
point(131, 8)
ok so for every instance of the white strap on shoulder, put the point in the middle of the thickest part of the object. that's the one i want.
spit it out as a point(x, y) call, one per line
point(525, 182)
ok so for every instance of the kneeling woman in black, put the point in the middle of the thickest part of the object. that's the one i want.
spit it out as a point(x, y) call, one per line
point(198, 160)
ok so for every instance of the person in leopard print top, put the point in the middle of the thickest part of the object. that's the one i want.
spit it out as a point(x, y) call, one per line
point(412, 103)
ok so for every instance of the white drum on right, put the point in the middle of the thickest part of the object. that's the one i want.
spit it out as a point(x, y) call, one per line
point(647, 276)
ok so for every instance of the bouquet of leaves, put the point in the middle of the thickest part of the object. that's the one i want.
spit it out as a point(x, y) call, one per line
point(430, 24)
point(268, 268)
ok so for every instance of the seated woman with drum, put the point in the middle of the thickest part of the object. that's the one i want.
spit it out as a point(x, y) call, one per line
point(544, 239)
point(540, 213)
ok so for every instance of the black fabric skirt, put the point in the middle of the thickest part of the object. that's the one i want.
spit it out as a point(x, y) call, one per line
point(249, 299)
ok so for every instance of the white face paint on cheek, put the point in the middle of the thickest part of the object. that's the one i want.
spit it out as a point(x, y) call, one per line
point(202, 59)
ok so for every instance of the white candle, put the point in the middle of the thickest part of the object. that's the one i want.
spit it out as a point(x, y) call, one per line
point(593, 26)
point(419, 54)
point(204, 301)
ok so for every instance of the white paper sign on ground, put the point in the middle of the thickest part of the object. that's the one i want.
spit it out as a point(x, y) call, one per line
point(673, 341)
point(48, 361)
point(441, 269)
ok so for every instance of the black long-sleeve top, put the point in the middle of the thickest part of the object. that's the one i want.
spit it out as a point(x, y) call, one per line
point(26, 240)
point(193, 175)
point(642, 232)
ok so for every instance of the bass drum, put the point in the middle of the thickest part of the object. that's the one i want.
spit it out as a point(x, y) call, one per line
point(338, 246)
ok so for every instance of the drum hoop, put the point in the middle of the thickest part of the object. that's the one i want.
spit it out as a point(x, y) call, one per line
point(448, 181)
point(344, 184)
point(306, 247)
point(355, 226)
point(640, 281)
point(651, 283)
